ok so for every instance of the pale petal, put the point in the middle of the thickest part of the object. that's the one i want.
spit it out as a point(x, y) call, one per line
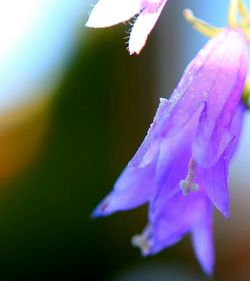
point(142, 27)
point(110, 12)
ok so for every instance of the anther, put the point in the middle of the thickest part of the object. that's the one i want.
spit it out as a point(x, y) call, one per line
point(188, 185)
point(141, 242)
point(200, 25)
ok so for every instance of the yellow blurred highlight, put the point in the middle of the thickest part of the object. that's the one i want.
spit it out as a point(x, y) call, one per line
point(22, 132)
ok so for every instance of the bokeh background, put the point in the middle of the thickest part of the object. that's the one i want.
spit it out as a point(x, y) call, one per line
point(74, 107)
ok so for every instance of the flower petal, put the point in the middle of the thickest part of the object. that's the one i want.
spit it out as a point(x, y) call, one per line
point(192, 90)
point(111, 12)
point(150, 145)
point(133, 188)
point(202, 237)
point(171, 221)
point(216, 184)
point(216, 178)
point(214, 132)
point(142, 27)
point(174, 156)
point(196, 88)
point(236, 126)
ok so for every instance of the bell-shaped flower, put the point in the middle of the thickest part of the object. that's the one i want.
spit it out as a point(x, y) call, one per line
point(205, 102)
point(111, 12)
point(182, 165)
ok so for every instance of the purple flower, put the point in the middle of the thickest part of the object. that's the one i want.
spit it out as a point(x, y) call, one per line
point(110, 12)
point(172, 215)
point(181, 168)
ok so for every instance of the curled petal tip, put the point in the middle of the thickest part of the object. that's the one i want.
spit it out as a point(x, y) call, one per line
point(101, 209)
point(209, 272)
point(95, 214)
point(226, 213)
point(225, 210)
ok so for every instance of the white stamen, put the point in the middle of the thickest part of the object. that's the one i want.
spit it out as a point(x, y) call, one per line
point(188, 185)
point(141, 242)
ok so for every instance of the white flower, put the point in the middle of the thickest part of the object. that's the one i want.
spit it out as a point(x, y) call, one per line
point(111, 12)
